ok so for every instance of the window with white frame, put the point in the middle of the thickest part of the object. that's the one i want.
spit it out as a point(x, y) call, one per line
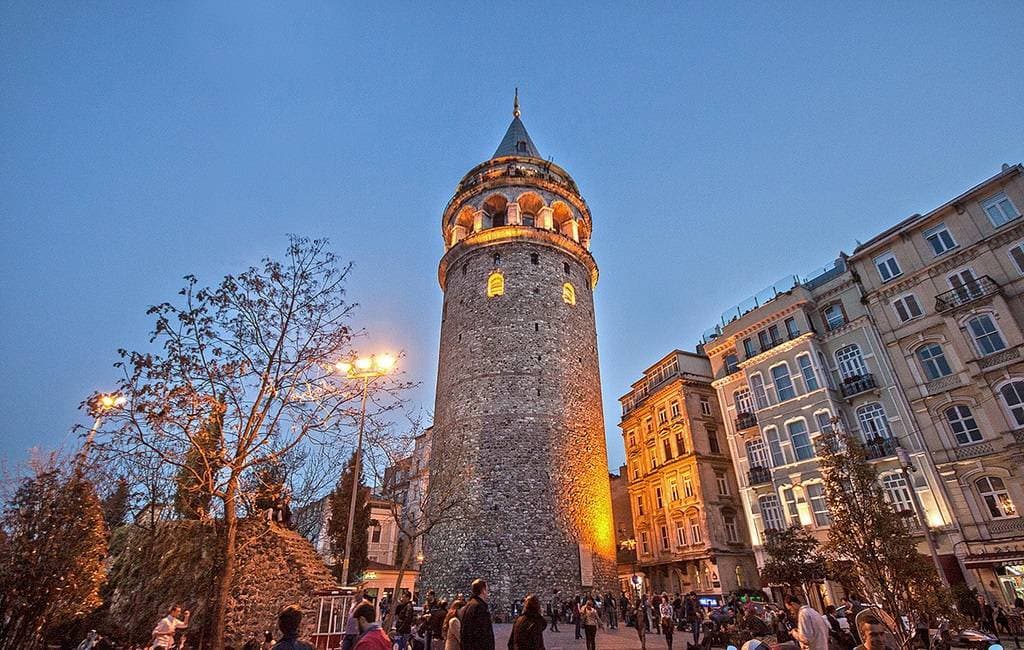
point(658, 500)
point(851, 363)
point(673, 490)
point(792, 511)
point(742, 400)
point(897, 493)
point(636, 471)
point(833, 316)
point(819, 506)
point(732, 532)
point(757, 390)
point(1013, 398)
point(997, 499)
point(807, 370)
point(784, 389)
point(1000, 209)
point(907, 307)
point(674, 408)
point(940, 239)
point(664, 538)
point(705, 406)
point(662, 416)
point(649, 425)
point(873, 422)
point(749, 350)
point(962, 424)
point(680, 534)
point(986, 336)
point(771, 513)
point(757, 454)
point(965, 284)
point(653, 457)
point(645, 543)
point(723, 483)
point(687, 487)
point(888, 267)
point(632, 438)
point(933, 361)
point(696, 536)
point(800, 439)
point(771, 435)
point(791, 328)
point(824, 420)
point(640, 505)
point(666, 444)
point(1016, 254)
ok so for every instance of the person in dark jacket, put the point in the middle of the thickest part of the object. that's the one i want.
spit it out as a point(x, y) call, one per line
point(405, 615)
point(477, 629)
point(528, 631)
point(436, 623)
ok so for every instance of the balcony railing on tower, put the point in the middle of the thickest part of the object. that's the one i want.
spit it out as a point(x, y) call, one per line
point(966, 293)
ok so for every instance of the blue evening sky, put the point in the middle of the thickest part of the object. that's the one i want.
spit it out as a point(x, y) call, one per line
point(720, 145)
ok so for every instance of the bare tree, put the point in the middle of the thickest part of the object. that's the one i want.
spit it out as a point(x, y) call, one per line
point(254, 353)
point(419, 499)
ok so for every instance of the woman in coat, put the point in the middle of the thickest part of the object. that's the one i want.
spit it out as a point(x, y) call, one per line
point(528, 631)
point(452, 627)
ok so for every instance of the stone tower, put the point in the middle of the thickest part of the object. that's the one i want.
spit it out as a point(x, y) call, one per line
point(518, 421)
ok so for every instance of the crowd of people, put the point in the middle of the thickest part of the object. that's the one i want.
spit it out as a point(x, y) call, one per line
point(467, 623)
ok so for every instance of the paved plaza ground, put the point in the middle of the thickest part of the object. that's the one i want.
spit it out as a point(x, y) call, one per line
point(624, 638)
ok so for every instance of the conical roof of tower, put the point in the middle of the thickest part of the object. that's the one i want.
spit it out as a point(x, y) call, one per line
point(517, 141)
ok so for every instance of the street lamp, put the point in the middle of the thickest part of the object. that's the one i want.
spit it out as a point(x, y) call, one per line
point(365, 368)
point(100, 405)
point(630, 545)
point(907, 466)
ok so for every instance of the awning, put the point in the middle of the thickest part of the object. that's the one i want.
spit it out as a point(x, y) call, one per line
point(983, 560)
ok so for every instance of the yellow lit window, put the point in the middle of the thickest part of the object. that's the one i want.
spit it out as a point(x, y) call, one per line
point(495, 285)
point(569, 294)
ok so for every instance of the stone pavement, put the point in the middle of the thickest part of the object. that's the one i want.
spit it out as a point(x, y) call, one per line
point(624, 638)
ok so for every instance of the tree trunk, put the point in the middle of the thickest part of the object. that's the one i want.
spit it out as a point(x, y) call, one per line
point(227, 576)
point(406, 557)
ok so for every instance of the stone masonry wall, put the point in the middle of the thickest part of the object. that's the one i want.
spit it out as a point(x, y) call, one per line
point(518, 382)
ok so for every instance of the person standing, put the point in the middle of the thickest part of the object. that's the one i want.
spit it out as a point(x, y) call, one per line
point(163, 633)
point(371, 636)
point(289, 621)
point(610, 607)
point(637, 614)
point(667, 617)
point(436, 624)
point(554, 609)
point(811, 630)
point(351, 625)
point(477, 629)
point(528, 630)
point(590, 619)
point(576, 615)
point(452, 628)
point(404, 616)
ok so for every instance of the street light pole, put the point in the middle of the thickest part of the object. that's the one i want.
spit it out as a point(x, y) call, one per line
point(906, 465)
point(102, 404)
point(355, 485)
point(364, 368)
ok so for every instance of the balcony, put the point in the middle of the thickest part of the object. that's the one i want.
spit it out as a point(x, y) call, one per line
point(859, 384)
point(745, 421)
point(965, 294)
point(879, 448)
point(759, 475)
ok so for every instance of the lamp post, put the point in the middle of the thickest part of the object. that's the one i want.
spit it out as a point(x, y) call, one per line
point(365, 368)
point(630, 545)
point(101, 405)
point(907, 466)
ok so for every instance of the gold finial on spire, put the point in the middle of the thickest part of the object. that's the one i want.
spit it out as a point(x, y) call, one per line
point(515, 104)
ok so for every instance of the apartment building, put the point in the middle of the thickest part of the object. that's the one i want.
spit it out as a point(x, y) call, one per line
point(625, 543)
point(788, 365)
point(688, 522)
point(945, 290)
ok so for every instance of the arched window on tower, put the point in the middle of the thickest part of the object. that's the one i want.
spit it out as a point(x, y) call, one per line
point(568, 293)
point(495, 285)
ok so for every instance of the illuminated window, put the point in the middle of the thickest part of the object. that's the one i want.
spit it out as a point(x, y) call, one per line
point(495, 285)
point(568, 294)
point(997, 499)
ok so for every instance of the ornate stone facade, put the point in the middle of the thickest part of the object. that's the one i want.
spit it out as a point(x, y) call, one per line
point(518, 413)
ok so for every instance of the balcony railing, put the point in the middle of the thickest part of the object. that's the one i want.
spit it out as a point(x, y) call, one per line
point(759, 475)
point(745, 421)
point(857, 385)
point(966, 293)
point(879, 448)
